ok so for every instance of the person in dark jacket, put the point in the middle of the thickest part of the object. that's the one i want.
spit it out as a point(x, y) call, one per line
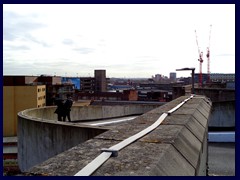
point(60, 109)
point(67, 108)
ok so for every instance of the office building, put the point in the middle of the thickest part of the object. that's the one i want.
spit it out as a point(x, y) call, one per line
point(19, 98)
point(100, 81)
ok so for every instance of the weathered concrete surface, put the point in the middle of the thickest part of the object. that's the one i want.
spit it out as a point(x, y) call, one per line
point(223, 114)
point(41, 140)
point(177, 147)
point(217, 94)
point(41, 136)
point(79, 113)
point(223, 106)
point(221, 159)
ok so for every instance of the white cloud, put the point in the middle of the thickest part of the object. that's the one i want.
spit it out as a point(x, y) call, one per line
point(113, 37)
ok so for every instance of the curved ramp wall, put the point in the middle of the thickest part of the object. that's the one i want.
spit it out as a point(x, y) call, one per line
point(178, 147)
point(41, 136)
point(83, 113)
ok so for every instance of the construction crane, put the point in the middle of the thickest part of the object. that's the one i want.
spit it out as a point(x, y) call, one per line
point(208, 57)
point(200, 62)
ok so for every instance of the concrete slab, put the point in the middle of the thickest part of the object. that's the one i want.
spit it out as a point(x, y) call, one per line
point(170, 149)
point(166, 159)
point(189, 122)
point(130, 128)
point(180, 137)
point(169, 165)
point(189, 146)
point(165, 162)
point(221, 159)
point(200, 118)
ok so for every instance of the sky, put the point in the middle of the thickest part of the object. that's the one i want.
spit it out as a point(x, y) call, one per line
point(127, 40)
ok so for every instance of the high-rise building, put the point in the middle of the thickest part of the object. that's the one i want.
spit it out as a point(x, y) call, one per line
point(100, 81)
point(173, 77)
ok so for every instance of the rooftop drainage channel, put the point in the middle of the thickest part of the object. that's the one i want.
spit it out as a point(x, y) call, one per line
point(113, 151)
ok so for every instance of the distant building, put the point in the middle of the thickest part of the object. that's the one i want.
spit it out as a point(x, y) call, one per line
point(100, 81)
point(60, 90)
point(154, 95)
point(19, 93)
point(49, 80)
point(20, 80)
point(18, 98)
point(87, 84)
point(215, 77)
point(72, 80)
point(157, 77)
point(220, 77)
point(173, 77)
point(126, 95)
point(204, 78)
point(53, 84)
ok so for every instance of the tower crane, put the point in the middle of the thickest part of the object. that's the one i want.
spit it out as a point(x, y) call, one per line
point(208, 56)
point(200, 62)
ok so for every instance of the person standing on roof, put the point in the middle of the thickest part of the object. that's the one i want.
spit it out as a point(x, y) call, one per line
point(67, 108)
point(60, 109)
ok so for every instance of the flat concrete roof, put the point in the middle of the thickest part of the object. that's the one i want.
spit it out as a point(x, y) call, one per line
point(221, 159)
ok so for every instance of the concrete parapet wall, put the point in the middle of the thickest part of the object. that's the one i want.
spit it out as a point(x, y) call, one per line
point(177, 147)
point(79, 113)
point(41, 136)
point(223, 114)
point(217, 94)
point(41, 140)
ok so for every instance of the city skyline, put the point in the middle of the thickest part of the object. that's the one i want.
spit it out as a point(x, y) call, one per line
point(131, 41)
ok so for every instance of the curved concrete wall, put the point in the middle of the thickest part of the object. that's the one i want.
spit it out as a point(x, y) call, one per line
point(177, 147)
point(39, 140)
point(41, 136)
point(80, 113)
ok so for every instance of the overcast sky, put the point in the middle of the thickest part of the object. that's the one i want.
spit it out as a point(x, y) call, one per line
point(127, 40)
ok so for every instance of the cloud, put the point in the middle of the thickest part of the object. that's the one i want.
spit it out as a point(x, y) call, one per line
point(225, 54)
point(35, 40)
point(68, 42)
point(84, 50)
point(17, 26)
point(16, 48)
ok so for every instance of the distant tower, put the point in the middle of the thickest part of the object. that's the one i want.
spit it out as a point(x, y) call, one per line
point(173, 76)
point(100, 80)
point(158, 77)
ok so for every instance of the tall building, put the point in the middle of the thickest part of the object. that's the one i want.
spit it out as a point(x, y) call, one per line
point(100, 81)
point(19, 98)
point(173, 77)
